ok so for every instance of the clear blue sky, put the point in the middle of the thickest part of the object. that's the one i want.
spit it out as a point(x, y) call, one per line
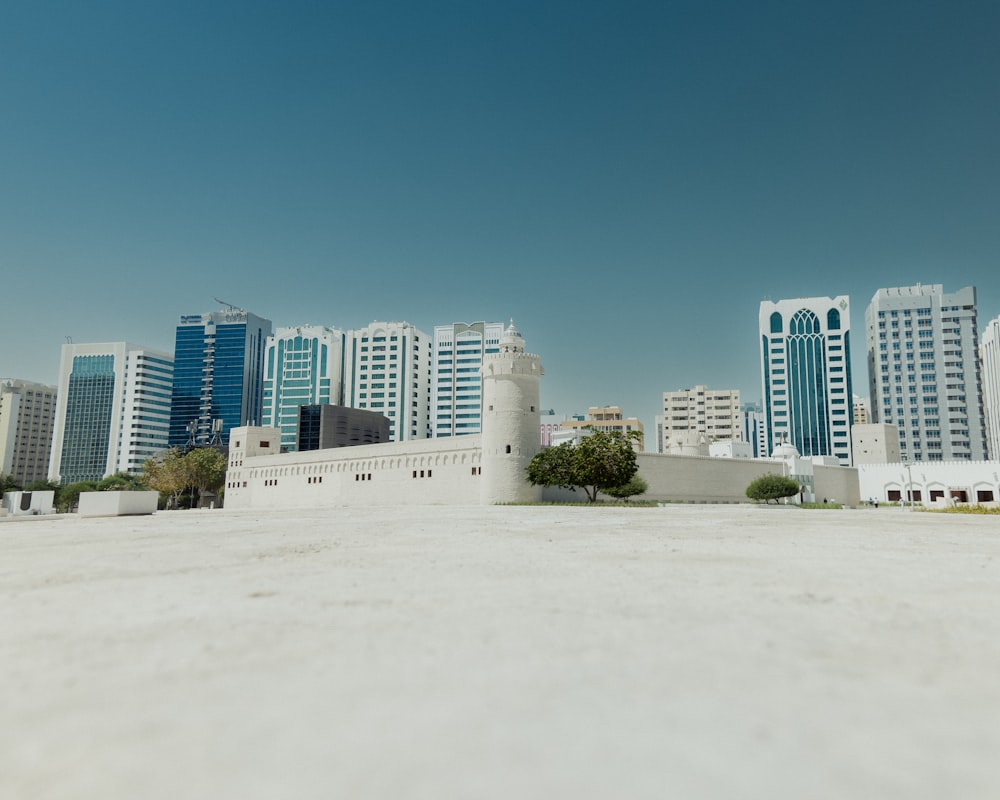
point(627, 180)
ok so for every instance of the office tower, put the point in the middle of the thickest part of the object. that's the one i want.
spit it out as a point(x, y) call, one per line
point(806, 370)
point(389, 372)
point(752, 429)
point(715, 413)
point(302, 366)
point(112, 410)
point(27, 415)
point(456, 385)
point(923, 371)
point(218, 375)
point(990, 357)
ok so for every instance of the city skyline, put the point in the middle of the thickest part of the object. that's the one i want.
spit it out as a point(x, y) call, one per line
point(627, 183)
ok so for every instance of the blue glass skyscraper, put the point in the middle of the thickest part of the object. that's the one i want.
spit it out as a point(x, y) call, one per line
point(805, 348)
point(218, 375)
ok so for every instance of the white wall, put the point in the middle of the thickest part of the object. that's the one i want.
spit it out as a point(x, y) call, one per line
point(421, 472)
point(930, 479)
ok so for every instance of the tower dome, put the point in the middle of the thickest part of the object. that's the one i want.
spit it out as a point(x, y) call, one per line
point(511, 341)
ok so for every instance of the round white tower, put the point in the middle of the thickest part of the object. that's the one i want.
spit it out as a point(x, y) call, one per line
point(511, 424)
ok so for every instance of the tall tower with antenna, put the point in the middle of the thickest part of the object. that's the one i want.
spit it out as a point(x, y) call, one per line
point(218, 375)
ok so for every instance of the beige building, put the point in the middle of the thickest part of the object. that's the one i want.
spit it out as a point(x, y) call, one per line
point(27, 417)
point(875, 443)
point(603, 418)
point(860, 408)
point(696, 415)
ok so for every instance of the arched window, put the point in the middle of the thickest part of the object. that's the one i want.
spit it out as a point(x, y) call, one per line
point(833, 320)
point(776, 322)
point(804, 322)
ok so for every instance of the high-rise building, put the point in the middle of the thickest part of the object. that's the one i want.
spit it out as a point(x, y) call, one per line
point(218, 375)
point(456, 384)
point(923, 371)
point(27, 415)
point(112, 410)
point(753, 430)
point(389, 372)
point(805, 352)
point(990, 359)
point(698, 410)
point(302, 366)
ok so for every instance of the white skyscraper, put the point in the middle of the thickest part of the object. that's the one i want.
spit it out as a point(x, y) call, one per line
point(302, 366)
point(923, 370)
point(699, 410)
point(806, 369)
point(112, 410)
point(389, 372)
point(456, 385)
point(990, 352)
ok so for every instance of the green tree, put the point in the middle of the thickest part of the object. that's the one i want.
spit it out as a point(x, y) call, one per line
point(637, 485)
point(206, 469)
point(43, 486)
point(69, 495)
point(772, 487)
point(122, 482)
point(600, 461)
point(8, 484)
point(167, 473)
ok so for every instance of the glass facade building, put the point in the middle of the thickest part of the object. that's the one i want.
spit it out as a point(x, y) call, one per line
point(112, 410)
point(456, 385)
point(302, 366)
point(218, 376)
point(805, 351)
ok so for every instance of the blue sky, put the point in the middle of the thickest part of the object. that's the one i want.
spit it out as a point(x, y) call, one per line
point(627, 180)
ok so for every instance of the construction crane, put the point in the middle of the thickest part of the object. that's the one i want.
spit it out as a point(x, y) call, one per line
point(230, 306)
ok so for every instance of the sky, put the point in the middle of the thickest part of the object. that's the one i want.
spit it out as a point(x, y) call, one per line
point(625, 180)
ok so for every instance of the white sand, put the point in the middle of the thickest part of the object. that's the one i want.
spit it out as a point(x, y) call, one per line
point(512, 652)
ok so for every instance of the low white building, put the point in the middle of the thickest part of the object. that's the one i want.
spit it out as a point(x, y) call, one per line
point(730, 449)
point(932, 482)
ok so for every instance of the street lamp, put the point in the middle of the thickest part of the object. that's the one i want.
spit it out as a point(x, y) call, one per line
point(909, 481)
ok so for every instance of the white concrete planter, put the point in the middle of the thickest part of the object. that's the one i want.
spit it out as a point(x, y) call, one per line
point(117, 504)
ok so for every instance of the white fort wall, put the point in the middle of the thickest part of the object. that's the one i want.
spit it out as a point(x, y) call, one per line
point(420, 472)
point(452, 471)
point(702, 479)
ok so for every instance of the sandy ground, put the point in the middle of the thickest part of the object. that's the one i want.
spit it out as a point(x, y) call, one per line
point(514, 652)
